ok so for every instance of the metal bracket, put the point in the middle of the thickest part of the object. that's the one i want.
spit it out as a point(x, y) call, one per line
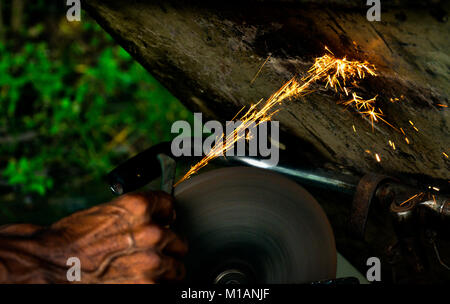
point(365, 191)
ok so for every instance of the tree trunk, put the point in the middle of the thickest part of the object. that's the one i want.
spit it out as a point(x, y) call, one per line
point(208, 56)
point(16, 15)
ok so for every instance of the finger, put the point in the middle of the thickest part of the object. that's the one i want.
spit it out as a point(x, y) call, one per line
point(170, 269)
point(91, 235)
point(172, 244)
point(146, 207)
point(19, 229)
point(163, 210)
point(148, 236)
point(162, 239)
point(98, 254)
point(136, 207)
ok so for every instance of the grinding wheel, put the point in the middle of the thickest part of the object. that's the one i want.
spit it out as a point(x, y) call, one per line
point(248, 225)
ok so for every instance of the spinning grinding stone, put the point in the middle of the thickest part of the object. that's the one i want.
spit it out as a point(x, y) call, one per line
point(248, 225)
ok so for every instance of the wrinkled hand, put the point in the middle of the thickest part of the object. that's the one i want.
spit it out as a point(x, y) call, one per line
point(124, 241)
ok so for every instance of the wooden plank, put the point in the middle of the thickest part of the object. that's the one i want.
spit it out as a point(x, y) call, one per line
point(207, 57)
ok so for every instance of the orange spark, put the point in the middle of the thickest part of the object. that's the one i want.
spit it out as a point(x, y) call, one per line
point(412, 124)
point(392, 144)
point(373, 113)
point(374, 116)
point(377, 157)
point(412, 197)
point(260, 69)
point(360, 103)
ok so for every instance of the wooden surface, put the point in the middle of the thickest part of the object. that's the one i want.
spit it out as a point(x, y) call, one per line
point(207, 57)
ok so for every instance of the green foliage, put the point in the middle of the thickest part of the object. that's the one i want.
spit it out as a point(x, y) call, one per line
point(29, 174)
point(76, 109)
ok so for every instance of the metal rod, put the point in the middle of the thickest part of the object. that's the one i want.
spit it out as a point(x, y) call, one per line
point(317, 178)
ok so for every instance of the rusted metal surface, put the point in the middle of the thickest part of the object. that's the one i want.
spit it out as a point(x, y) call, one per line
point(362, 200)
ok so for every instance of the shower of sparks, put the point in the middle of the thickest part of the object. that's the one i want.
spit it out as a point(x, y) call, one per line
point(441, 105)
point(445, 154)
point(335, 72)
point(367, 108)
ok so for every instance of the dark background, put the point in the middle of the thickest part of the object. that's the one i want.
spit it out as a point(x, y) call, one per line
point(73, 104)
